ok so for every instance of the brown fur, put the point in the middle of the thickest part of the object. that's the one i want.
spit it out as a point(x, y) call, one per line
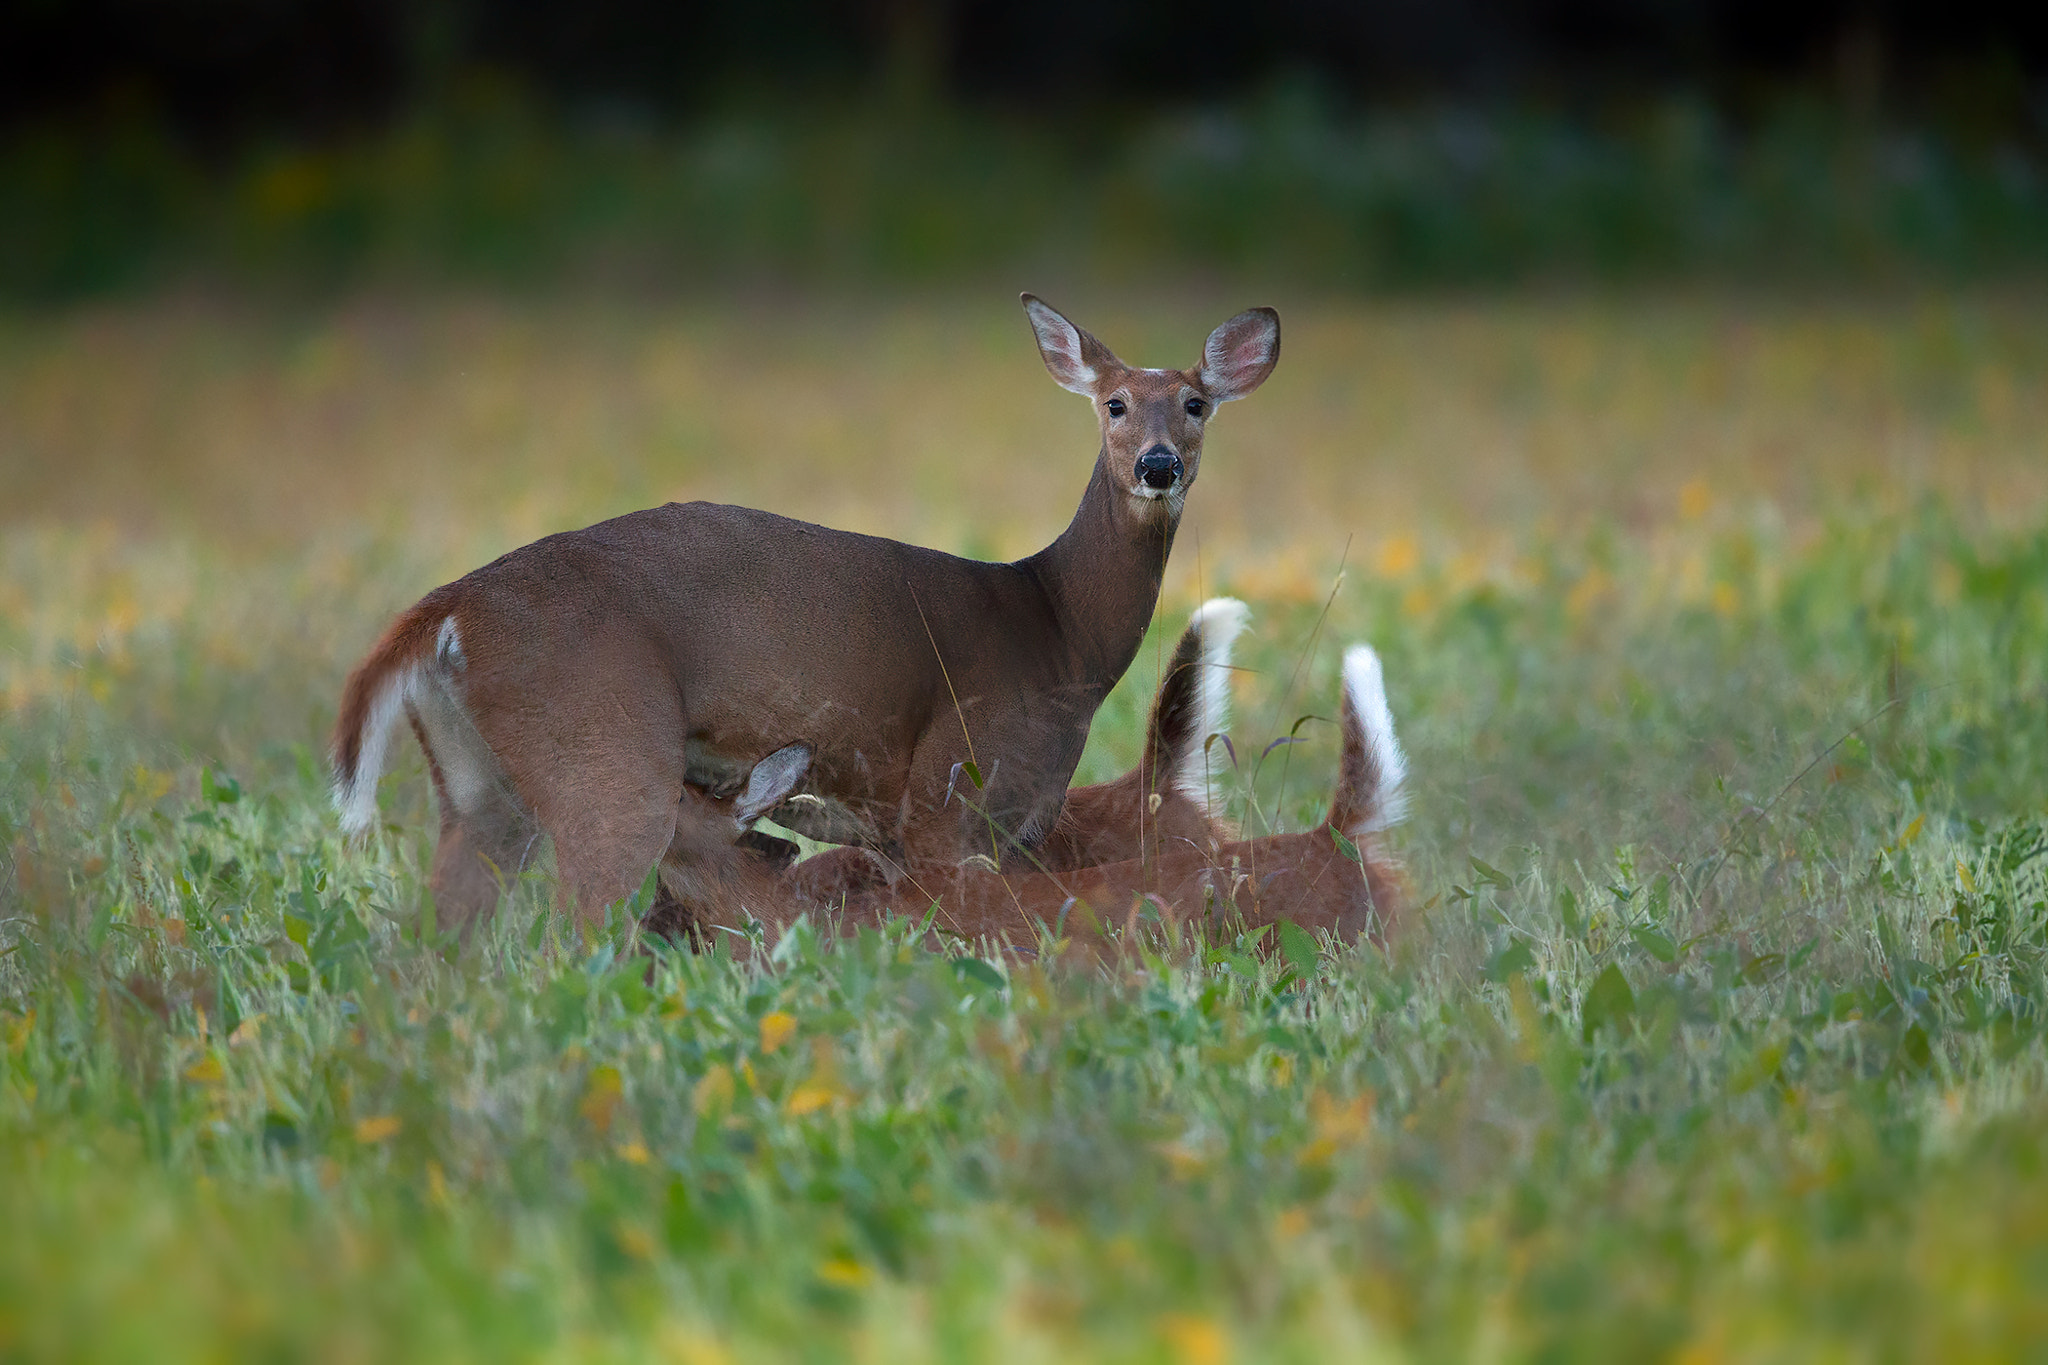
point(1104, 823)
point(591, 663)
point(1312, 879)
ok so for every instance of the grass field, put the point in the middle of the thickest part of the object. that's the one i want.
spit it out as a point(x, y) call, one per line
point(1718, 635)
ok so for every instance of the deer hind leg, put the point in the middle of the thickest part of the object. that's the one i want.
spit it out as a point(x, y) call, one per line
point(487, 834)
point(602, 770)
point(610, 821)
point(479, 856)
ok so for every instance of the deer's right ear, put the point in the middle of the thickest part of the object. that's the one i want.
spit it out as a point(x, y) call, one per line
point(1240, 354)
point(1074, 358)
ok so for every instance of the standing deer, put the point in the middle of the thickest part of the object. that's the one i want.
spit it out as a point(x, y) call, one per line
point(1336, 878)
point(567, 687)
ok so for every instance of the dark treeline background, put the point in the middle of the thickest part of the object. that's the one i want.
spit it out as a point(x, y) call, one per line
point(1381, 142)
point(230, 69)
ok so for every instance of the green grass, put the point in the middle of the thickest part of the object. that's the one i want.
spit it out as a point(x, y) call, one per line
point(1715, 1032)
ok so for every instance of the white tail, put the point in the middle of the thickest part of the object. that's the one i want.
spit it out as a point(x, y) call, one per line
point(1220, 620)
point(394, 681)
point(1383, 796)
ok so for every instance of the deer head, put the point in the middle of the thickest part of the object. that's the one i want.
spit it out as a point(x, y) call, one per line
point(1153, 420)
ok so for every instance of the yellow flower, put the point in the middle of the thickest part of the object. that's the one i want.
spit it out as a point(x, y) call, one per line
point(776, 1029)
point(634, 1240)
point(686, 1346)
point(601, 1096)
point(1591, 589)
point(809, 1098)
point(1195, 1340)
point(634, 1152)
point(1694, 499)
point(1398, 557)
point(845, 1272)
point(1186, 1161)
point(1290, 1223)
point(1335, 1125)
point(18, 1031)
point(377, 1128)
point(713, 1092)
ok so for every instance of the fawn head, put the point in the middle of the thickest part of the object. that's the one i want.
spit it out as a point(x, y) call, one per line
point(1153, 420)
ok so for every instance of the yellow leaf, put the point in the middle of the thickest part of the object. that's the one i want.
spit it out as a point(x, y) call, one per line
point(1592, 588)
point(207, 1071)
point(18, 1031)
point(687, 1346)
point(1398, 557)
point(377, 1128)
point(1187, 1162)
point(634, 1152)
point(1911, 832)
point(713, 1092)
point(149, 784)
point(634, 1240)
point(809, 1098)
point(1340, 1124)
point(601, 1096)
point(845, 1272)
point(1195, 1340)
point(776, 1029)
point(1694, 499)
point(1963, 876)
point(1291, 1223)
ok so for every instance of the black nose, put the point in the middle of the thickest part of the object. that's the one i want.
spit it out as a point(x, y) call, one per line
point(1159, 468)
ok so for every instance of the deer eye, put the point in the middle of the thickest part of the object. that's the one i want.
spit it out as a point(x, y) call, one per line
point(1196, 407)
point(1115, 406)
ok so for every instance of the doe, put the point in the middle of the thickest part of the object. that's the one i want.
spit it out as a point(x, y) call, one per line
point(569, 687)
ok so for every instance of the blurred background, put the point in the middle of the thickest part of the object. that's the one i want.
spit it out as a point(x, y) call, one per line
point(1383, 144)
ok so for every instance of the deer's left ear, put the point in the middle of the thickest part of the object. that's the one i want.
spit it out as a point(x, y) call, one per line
point(1240, 354)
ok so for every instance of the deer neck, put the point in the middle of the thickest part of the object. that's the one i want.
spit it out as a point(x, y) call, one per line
point(1102, 576)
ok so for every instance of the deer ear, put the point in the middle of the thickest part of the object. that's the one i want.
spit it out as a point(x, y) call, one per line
point(773, 778)
point(1240, 354)
point(1075, 359)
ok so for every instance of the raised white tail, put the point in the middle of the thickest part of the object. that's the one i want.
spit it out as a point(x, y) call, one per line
point(1377, 791)
point(1219, 621)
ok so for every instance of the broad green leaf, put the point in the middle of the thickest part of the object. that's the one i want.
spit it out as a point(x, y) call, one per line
point(1514, 958)
point(1491, 875)
point(1298, 946)
point(1655, 942)
point(974, 969)
point(1610, 1001)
